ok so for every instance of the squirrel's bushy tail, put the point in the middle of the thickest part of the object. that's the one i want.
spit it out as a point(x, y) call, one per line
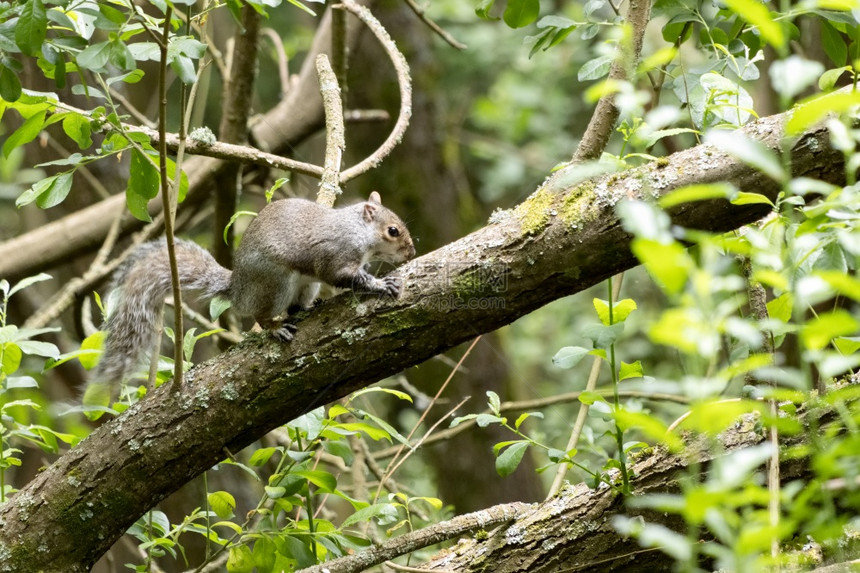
point(139, 288)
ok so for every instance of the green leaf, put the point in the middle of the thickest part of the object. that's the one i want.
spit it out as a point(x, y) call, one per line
point(818, 332)
point(781, 307)
point(233, 219)
point(713, 417)
point(217, 306)
point(10, 357)
point(659, 134)
point(78, 128)
point(184, 68)
point(482, 10)
point(812, 110)
point(222, 503)
point(829, 78)
point(143, 185)
point(32, 27)
point(372, 432)
point(526, 415)
point(261, 457)
point(57, 191)
point(594, 69)
point(699, 192)
point(651, 426)
point(265, 555)
point(95, 57)
point(275, 492)
point(375, 389)
point(833, 43)
point(10, 85)
point(680, 328)
point(792, 75)
point(368, 513)
point(26, 133)
point(588, 398)
point(484, 420)
point(44, 191)
point(757, 14)
point(325, 481)
point(620, 310)
point(519, 13)
point(842, 283)
point(569, 356)
point(509, 459)
point(751, 152)
point(744, 198)
point(669, 264)
point(25, 282)
point(494, 402)
point(240, 560)
point(39, 348)
point(847, 345)
point(631, 370)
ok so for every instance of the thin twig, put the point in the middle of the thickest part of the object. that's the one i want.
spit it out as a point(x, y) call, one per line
point(365, 115)
point(135, 113)
point(404, 82)
point(283, 61)
point(590, 385)
point(167, 206)
point(424, 415)
point(419, 11)
point(394, 467)
point(527, 405)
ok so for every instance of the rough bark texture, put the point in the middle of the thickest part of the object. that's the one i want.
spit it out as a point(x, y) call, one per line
point(574, 532)
point(559, 241)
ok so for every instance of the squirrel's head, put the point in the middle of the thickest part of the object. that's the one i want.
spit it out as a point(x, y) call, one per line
point(393, 241)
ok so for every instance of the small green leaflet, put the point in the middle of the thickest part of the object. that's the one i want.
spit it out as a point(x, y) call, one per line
point(143, 185)
point(222, 503)
point(519, 13)
point(48, 192)
point(509, 459)
point(32, 27)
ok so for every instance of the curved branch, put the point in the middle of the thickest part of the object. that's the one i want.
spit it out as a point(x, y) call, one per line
point(334, 133)
point(403, 81)
point(441, 32)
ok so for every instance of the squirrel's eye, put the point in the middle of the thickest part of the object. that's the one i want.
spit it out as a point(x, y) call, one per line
point(393, 232)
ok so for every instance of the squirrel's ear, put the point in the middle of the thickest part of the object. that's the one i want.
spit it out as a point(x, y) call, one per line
point(369, 210)
point(375, 198)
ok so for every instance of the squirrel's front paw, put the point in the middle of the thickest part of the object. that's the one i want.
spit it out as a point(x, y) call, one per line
point(391, 286)
point(284, 332)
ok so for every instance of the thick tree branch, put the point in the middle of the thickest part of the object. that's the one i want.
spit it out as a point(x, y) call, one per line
point(564, 238)
point(578, 524)
point(431, 535)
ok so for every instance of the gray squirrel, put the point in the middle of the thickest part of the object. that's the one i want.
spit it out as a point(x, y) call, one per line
point(287, 250)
